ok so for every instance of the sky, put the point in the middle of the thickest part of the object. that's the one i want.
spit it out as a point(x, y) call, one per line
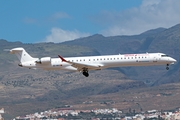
point(34, 21)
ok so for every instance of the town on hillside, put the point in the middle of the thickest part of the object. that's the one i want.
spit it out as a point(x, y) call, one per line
point(101, 114)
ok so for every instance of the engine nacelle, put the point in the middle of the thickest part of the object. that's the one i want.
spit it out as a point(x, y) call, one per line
point(44, 60)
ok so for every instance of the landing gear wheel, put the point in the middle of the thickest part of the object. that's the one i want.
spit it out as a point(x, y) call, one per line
point(85, 73)
point(167, 68)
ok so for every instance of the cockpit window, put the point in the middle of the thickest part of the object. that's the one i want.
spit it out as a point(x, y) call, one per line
point(164, 55)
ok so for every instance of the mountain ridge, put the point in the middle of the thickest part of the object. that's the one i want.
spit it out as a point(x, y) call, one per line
point(157, 40)
point(20, 87)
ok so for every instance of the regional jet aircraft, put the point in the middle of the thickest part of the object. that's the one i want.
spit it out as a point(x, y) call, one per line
point(84, 64)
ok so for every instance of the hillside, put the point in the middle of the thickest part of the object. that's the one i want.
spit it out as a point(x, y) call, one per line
point(24, 91)
point(157, 40)
point(118, 44)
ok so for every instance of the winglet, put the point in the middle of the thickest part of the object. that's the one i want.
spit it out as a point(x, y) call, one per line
point(63, 60)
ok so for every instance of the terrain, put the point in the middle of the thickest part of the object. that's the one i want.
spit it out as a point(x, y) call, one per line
point(24, 91)
point(157, 40)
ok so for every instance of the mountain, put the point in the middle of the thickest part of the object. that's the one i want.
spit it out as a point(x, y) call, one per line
point(24, 91)
point(157, 40)
point(117, 44)
point(153, 31)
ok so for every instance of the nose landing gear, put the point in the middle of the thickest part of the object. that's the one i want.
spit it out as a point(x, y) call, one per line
point(167, 67)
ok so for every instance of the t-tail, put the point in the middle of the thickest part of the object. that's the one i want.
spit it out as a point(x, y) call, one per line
point(22, 55)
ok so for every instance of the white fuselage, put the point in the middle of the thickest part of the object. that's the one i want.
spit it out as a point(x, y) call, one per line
point(102, 62)
point(84, 64)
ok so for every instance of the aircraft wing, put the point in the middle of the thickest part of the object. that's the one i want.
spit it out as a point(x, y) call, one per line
point(82, 66)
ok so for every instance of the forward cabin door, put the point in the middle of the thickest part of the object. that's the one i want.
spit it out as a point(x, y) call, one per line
point(154, 59)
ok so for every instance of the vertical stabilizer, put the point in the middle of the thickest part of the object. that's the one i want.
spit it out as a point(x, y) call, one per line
point(22, 55)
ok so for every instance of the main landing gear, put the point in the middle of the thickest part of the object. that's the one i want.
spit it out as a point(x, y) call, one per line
point(167, 67)
point(85, 72)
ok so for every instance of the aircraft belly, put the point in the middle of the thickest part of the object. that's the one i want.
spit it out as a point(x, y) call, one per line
point(58, 67)
point(130, 63)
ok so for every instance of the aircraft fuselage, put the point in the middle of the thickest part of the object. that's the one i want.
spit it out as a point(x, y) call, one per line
point(84, 64)
point(107, 61)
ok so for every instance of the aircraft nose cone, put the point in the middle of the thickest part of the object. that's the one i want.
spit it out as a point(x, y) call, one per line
point(173, 60)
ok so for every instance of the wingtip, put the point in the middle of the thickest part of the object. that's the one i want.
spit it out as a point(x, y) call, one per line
point(63, 60)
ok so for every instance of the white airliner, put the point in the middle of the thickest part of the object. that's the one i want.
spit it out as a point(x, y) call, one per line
point(84, 64)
